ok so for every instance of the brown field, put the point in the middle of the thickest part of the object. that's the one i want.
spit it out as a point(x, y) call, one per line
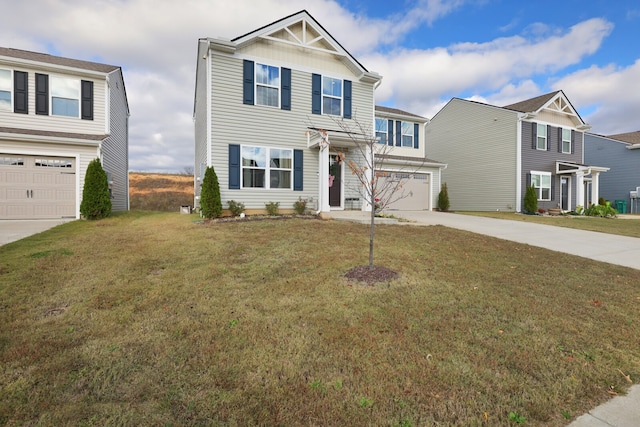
point(160, 192)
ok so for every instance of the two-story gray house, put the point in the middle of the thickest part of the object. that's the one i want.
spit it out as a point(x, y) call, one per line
point(494, 153)
point(267, 112)
point(56, 115)
point(620, 153)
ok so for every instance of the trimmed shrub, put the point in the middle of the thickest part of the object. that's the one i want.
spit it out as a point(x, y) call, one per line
point(96, 200)
point(210, 202)
point(300, 206)
point(530, 200)
point(272, 208)
point(236, 208)
point(443, 198)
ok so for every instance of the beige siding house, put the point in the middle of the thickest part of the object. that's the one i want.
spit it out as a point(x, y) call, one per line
point(267, 112)
point(56, 115)
point(494, 153)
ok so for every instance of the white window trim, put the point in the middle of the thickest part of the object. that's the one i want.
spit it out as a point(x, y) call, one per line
point(51, 78)
point(406, 134)
point(563, 140)
point(323, 95)
point(267, 169)
point(546, 137)
point(539, 189)
point(255, 86)
point(11, 94)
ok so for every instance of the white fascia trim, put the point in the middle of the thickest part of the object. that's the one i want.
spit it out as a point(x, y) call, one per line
point(209, 111)
point(43, 138)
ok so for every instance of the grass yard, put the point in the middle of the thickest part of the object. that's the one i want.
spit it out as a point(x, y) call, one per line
point(153, 319)
point(624, 227)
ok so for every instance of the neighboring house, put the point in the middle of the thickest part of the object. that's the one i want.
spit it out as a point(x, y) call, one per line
point(56, 115)
point(267, 114)
point(493, 154)
point(620, 153)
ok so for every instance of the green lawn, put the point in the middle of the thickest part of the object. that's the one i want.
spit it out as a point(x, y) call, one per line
point(155, 319)
point(624, 227)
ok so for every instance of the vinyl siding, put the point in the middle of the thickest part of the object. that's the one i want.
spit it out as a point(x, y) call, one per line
point(545, 161)
point(96, 126)
point(115, 148)
point(236, 123)
point(83, 154)
point(479, 144)
point(624, 173)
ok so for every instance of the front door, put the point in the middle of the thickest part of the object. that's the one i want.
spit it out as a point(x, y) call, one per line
point(335, 182)
point(564, 193)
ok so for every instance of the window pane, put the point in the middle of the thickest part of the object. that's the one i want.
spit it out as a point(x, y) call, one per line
point(5, 80)
point(542, 130)
point(280, 158)
point(332, 87)
point(382, 137)
point(331, 106)
point(546, 180)
point(280, 179)
point(5, 100)
point(407, 128)
point(254, 156)
point(65, 88)
point(253, 178)
point(381, 125)
point(65, 107)
point(566, 134)
point(546, 194)
point(267, 75)
point(267, 96)
point(535, 180)
point(407, 141)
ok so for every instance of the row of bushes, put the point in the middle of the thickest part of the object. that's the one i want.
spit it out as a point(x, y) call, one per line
point(602, 209)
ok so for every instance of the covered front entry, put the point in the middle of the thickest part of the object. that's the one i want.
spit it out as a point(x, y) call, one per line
point(335, 182)
point(415, 193)
point(37, 187)
point(564, 193)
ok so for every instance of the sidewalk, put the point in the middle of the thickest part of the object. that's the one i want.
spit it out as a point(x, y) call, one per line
point(621, 411)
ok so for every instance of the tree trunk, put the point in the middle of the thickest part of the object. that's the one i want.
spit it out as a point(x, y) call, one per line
point(371, 231)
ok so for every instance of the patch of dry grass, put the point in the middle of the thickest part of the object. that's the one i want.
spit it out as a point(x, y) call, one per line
point(160, 192)
point(146, 319)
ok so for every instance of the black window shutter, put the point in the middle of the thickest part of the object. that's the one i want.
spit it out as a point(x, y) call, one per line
point(390, 132)
point(316, 94)
point(87, 100)
point(20, 92)
point(297, 170)
point(553, 187)
point(528, 180)
point(534, 134)
point(347, 99)
point(559, 140)
point(247, 82)
point(573, 141)
point(548, 137)
point(416, 132)
point(285, 92)
point(398, 133)
point(42, 94)
point(234, 167)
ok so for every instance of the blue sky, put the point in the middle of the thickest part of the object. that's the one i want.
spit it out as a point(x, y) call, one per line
point(428, 51)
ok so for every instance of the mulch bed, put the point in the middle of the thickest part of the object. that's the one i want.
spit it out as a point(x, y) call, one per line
point(371, 276)
point(248, 218)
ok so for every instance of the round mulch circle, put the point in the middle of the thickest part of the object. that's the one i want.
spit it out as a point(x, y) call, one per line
point(371, 275)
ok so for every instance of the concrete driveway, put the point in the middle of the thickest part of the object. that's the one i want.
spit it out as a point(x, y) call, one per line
point(12, 230)
point(620, 250)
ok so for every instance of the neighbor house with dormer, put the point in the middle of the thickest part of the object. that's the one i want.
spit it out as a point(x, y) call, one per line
point(494, 153)
point(269, 111)
point(57, 115)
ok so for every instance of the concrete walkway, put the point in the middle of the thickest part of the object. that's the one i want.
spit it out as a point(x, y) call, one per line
point(12, 230)
point(621, 411)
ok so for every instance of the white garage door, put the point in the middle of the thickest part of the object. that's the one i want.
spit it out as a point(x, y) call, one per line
point(37, 187)
point(416, 190)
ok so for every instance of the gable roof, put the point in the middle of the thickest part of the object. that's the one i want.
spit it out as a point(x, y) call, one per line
point(56, 60)
point(556, 102)
point(533, 104)
point(398, 112)
point(629, 137)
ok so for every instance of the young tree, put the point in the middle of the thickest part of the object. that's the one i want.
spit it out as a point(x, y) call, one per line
point(210, 201)
point(96, 200)
point(443, 198)
point(372, 156)
point(531, 200)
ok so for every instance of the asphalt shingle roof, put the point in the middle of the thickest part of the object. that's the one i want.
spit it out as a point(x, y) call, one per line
point(630, 137)
point(56, 60)
point(533, 104)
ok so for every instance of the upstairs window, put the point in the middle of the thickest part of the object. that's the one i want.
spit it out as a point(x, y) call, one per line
point(5, 90)
point(65, 97)
point(566, 141)
point(541, 142)
point(407, 134)
point(541, 181)
point(267, 85)
point(382, 130)
point(331, 96)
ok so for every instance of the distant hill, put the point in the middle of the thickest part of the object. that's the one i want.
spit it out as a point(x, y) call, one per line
point(160, 192)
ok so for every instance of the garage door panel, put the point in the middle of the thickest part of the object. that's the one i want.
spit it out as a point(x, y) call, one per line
point(415, 191)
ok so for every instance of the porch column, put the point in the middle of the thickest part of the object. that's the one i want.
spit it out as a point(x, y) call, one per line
point(323, 176)
point(580, 189)
point(595, 185)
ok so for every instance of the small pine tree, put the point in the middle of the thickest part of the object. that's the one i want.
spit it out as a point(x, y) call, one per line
point(531, 200)
point(210, 201)
point(96, 200)
point(443, 198)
